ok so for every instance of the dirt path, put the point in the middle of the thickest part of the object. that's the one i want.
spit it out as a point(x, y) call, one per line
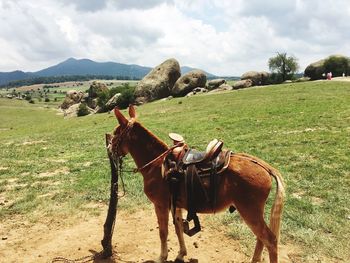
point(135, 240)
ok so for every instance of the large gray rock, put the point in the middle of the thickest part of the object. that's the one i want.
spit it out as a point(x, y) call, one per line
point(72, 97)
point(222, 87)
point(315, 70)
point(187, 82)
point(95, 92)
point(159, 82)
point(96, 88)
point(242, 84)
point(258, 78)
point(113, 101)
point(72, 111)
point(215, 83)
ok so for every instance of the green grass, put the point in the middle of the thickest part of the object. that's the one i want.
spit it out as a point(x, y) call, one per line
point(302, 129)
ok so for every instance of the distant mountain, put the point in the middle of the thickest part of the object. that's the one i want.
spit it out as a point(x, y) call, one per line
point(73, 66)
point(83, 67)
point(6, 77)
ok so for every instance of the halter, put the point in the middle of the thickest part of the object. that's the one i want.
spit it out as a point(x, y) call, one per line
point(114, 146)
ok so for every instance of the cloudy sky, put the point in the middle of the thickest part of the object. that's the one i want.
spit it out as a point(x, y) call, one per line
point(224, 37)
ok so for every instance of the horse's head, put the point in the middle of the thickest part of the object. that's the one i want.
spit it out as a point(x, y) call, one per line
point(119, 140)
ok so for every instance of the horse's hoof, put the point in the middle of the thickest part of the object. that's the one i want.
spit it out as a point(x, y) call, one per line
point(177, 260)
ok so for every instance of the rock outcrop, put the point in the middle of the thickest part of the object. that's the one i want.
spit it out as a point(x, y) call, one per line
point(215, 83)
point(159, 82)
point(315, 70)
point(257, 78)
point(222, 87)
point(242, 84)
point(72, 97)
point(187, 82)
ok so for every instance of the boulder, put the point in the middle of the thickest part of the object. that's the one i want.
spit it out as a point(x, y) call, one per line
point(198, 90)
point(112, 102)
point(187, 82)
point(215, 83)
point(258, 78)
point(315, 70)
point(242, 84)
point(222, 87)
point(72, 111)
point(96, 88)
point(159, 82)
point(72, 97)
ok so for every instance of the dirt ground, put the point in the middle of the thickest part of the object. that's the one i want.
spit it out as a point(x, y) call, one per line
point(135, 240)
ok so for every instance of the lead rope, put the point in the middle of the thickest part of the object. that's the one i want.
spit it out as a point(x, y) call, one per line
point(82, 259)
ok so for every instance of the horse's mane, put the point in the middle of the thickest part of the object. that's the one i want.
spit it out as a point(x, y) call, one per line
point(145, 136)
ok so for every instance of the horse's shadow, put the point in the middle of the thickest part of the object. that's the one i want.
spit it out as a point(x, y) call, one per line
point(99, 259)
point(191, 260)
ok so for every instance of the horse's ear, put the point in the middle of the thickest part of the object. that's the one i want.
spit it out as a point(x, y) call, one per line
point(120, 117)
point(132, 111)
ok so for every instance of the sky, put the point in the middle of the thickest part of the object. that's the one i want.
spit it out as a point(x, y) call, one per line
point(223, 37)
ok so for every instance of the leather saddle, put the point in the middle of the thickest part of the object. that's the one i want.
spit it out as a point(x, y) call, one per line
point(193, 156)
point(200, 172)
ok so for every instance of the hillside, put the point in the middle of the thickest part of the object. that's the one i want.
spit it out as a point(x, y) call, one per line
point(58, 167)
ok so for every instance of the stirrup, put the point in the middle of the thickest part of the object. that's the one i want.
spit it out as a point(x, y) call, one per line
point(194, 230)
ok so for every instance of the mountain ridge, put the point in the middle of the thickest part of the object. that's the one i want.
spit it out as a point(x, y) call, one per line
point(85, 66)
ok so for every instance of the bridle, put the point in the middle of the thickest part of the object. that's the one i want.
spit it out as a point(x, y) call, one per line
point(113, 148)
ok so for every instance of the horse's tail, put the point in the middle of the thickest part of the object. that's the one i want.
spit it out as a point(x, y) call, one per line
point(277, 207)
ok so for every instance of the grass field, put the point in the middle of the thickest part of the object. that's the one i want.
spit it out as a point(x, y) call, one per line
point(53, 167)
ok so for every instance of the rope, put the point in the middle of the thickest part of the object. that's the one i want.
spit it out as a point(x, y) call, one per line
point(81, 260)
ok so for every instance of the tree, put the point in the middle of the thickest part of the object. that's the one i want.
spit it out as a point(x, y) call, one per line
point(283, 65)
point(337, 65)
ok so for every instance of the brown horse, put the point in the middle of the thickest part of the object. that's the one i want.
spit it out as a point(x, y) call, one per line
point(245, 184)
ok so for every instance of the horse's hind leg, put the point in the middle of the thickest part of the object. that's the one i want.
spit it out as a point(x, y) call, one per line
point(180, 235)
point(262, 232)
point(258, 251)
point(163, 219)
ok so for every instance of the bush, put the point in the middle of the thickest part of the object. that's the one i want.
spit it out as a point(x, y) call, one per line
point(47, 99)
point(275, 78)
point(28, 97)
point(120, 89)
point(82, 110)
point(126, 98)
point(31, 101)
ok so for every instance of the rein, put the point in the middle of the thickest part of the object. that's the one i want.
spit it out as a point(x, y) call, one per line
point(160, 157)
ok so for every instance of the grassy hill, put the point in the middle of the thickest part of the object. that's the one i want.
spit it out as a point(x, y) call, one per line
point(53, 167)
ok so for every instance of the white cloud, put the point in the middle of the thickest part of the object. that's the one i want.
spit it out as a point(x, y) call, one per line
point(220, 36)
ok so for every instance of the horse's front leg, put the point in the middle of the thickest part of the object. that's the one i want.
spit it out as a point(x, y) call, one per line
point(163, 219)
point(180, 235)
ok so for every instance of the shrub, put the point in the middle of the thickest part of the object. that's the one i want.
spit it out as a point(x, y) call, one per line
point(47, 99)
point(126, 98)
point(28, 97)
point(31, 101)
point(82, 110)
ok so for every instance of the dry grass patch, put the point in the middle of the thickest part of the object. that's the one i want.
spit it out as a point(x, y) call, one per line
point(63, 170)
